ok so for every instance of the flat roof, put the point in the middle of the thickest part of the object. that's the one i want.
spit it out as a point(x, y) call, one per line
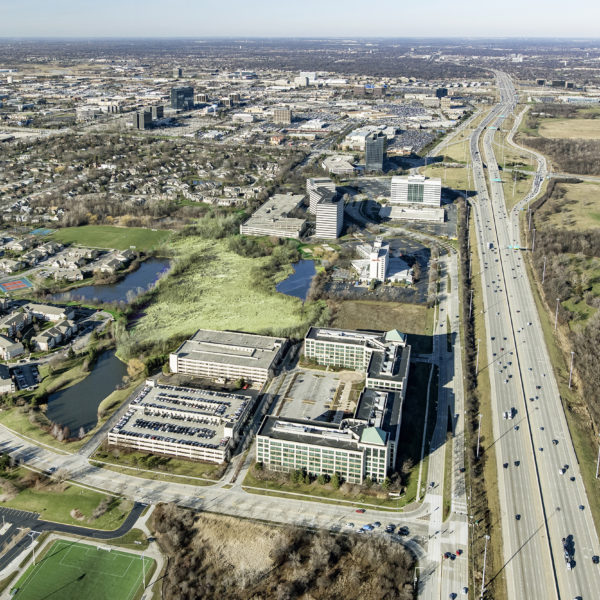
point(188, 416)
point(344, 336)
point(274, 212)
point(390, 365)
point(231, 347)
point(306, 431)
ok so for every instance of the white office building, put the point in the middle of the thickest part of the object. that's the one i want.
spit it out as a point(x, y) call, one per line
point(378, 259)
point(330, 218)
point(416, 189)
point(317, 189)
point(272, 218)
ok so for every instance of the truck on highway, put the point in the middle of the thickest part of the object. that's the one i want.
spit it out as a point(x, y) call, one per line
point(490, 245)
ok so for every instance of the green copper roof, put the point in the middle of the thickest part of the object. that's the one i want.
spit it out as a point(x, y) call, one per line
point(395, 336)
point(373, 435)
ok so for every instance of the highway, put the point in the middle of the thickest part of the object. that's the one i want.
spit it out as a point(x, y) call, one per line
point(542, 496)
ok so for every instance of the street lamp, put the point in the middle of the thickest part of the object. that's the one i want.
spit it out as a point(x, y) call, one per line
point(571, 369)
point(32, 535)
point(556, 314)
point(544, 271)
point(479, 434)
point(533, 242)
point(471, 304)
point(477, 361)
point(416, 580)
point(598, 462)
point(487, 537)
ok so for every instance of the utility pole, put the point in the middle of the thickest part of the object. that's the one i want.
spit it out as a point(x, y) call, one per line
point(487, 537)
point(571, 369)
point(556, 314)
point(471, 304)
point(529, 210)
point(533, 242)
point(477, 361)
point(478, 434)
point(544, 271)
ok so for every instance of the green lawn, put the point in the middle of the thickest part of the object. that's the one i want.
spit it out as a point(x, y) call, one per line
point(55, 502)
point(75, 570)
point(107, 236)
point(216, 291)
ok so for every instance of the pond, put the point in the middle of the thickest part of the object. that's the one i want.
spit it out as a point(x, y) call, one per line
point(298, 283)
point(132, 285)
point(77, 406)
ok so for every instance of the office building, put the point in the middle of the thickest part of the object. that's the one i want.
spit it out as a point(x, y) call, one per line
point(158, 112)
point(338, 165)
point(228, 355)
point(282, 115)
point(235, 97)
point(318, 188)
point(375, 143)
point(441, 92)
point(177, 72)
point(376, 263)
point(202, 98)
point(330, 218)
point(378, 260)
point(384, 356)
point(363, 445)
point(190, 423)
point(182, 98)
point(272, 218)
point(142, 119)
point(416, 189)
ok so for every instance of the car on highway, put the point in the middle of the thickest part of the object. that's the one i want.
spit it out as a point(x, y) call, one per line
point(596, 559)
point(350, 525)
point(403, 530)
point(377, 524)
point(518, 517)
point(360, 510)
point(561, 471)
point(459, 552)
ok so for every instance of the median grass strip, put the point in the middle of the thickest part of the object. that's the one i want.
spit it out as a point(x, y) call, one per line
point(447, 476)
point(151, 466)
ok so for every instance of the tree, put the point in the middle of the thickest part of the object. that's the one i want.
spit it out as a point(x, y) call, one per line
point(335, 481)
point(322, 479)
point(385, 484)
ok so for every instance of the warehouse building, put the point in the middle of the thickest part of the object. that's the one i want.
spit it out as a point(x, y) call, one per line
point(228, 355)
point(189, 423)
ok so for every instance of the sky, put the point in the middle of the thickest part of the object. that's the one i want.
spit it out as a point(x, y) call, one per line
point(300, 18)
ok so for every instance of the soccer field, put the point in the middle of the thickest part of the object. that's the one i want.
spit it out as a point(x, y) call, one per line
point(75, 570)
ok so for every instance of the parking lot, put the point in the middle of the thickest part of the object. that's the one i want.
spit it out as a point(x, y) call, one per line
point(26, 376)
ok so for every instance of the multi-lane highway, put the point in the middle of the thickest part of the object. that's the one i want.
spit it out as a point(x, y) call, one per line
point(542, 496)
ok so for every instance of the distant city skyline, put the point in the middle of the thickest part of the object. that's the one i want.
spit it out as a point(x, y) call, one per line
point(310, 18)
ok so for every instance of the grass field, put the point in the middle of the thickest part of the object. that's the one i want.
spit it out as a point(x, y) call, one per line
point(75, 570)
point(455, 178)
point(579, 209)
point(57, 501)
point(107, 236)
point(581, 129)
point(216, 292)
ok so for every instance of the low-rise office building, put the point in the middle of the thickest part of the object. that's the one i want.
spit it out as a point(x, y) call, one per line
point(189, 423)
point(384, 356)
point(364, 445)
point(228, 355)
point(272, 218)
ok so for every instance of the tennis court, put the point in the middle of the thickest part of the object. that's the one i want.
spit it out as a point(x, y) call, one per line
point(13, 285)
point(87, 571)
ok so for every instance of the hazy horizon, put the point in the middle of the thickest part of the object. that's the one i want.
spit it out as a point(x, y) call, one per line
point(83, 19)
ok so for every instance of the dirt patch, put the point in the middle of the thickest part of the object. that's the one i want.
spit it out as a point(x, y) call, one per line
point(77, 514)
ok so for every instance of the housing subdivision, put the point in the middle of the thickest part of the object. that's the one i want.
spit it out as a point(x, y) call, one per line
point(228, 356)
point(183, 422)
point(363, 442)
